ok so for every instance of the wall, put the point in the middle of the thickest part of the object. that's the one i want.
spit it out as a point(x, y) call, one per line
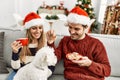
point(22, 7)
point(6, 10)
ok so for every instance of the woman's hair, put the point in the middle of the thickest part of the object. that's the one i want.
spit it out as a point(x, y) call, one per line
point(25, 50)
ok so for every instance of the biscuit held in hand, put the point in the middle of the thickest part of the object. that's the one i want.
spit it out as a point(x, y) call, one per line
point(74, 56)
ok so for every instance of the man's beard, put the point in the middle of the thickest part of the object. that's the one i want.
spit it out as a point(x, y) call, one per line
point(76, 36)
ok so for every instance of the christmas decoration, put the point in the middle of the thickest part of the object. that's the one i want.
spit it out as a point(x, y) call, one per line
point(87, 6)
point(53, 13)
point(55, 17)
point(53, 9)
point(112, 20)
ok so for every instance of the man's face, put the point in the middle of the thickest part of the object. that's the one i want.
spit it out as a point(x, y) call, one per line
point(76, 31)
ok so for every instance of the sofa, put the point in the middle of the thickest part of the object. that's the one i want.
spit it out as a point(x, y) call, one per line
point(111, 43)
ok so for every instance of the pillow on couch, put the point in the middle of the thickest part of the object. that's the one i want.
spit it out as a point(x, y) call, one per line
point(3, 68)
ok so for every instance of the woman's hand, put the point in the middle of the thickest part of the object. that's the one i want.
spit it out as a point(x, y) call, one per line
point(16, 45)
point(51, 36)
point(85, 61)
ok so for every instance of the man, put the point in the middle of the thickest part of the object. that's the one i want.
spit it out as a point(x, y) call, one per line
point(93, 63)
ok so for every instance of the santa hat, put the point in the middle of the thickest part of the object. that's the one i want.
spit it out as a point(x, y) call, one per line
point(79, 16)
point(31, 19)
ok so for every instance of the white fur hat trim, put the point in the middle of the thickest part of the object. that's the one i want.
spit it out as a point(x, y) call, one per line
point(78, 19)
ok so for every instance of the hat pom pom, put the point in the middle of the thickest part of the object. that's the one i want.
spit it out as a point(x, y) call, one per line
point(89, 25)
point(91, 22)
point(18, 19)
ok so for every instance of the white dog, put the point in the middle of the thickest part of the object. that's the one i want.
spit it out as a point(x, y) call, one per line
point(38, 68)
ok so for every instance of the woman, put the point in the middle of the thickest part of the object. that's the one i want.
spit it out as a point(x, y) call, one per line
point(22, 55)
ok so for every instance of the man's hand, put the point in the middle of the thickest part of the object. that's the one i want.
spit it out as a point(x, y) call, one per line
point(51, 36)
point(85, 61)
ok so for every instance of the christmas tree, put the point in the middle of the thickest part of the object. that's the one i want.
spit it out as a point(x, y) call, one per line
point(87, 6)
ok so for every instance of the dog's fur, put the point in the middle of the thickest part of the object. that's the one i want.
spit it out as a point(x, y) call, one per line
point(38, 68)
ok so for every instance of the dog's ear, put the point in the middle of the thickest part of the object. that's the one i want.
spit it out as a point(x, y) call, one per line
point(51, 58)
point(40, 58)
point(45, 56)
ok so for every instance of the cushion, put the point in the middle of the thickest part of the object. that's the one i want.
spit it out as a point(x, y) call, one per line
point(112, 45)
point(3, 68)
point(59, 68)
point(9, 37)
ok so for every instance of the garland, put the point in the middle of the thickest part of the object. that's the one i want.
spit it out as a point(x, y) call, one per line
point(52, 17)
point(54, 7)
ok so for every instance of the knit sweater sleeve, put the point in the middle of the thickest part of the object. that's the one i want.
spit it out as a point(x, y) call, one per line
point(15, 56)
point(15, 62)
point(58, 49)
point(100, 65)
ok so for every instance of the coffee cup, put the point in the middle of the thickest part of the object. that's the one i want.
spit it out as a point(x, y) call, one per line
point(23, 41)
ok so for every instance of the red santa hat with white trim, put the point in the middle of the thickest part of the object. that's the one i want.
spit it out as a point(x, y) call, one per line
point(79, 16)
point(31, 19)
